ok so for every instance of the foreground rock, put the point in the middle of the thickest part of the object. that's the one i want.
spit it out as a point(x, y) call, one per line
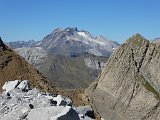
point(129, 86)
point(19, 102)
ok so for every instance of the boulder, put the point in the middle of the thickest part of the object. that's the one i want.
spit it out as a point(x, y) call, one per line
point(67, 113)
point(85, 111)
point(61, 101)
point(8, 86)
point(24, 85)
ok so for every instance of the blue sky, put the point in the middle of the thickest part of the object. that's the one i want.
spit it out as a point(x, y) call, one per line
point(114, 19)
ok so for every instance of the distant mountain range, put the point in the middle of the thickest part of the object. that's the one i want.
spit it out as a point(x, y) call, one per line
point(70, 57)
point(156, 39)
point(73, 41)
point(20, 44)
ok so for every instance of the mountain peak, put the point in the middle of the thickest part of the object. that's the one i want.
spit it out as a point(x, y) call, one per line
point(57, 30)
point(136, 39)
point(70, 39)
point(137, 35)
point(71, 29)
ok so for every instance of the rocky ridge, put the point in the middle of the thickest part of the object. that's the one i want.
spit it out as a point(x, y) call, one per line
point(129, 85)
point(70, 41)
point(3, 47)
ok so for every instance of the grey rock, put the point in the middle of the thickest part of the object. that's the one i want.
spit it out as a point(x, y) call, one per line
point(31, 104)
point(129, 85)
point(85, 111)
point(34, 55)
point(24, 85)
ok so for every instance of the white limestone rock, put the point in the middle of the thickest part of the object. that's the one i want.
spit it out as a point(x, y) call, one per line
point(61, 101)
point(68, 113)
point(22, 103)
point(85, 112)
point(8, 86)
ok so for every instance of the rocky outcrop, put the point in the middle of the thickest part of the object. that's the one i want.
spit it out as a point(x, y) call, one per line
point(129, 85)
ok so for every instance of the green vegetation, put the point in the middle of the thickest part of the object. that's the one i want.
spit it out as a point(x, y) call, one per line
point(148, 86)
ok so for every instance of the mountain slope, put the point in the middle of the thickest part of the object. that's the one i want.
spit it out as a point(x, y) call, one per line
point(129, 86)
point(13, 67)
point(34, 55)
point(72, 72)
point(71, 40)
point(76, 71)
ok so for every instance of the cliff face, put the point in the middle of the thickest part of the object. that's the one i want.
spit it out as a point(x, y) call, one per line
point(129, 85)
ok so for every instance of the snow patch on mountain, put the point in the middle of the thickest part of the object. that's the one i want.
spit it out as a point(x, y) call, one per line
point(82, 34)
point(20, 102)
point(78, 41)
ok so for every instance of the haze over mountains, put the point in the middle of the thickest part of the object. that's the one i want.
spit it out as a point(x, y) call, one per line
point(76, 53)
